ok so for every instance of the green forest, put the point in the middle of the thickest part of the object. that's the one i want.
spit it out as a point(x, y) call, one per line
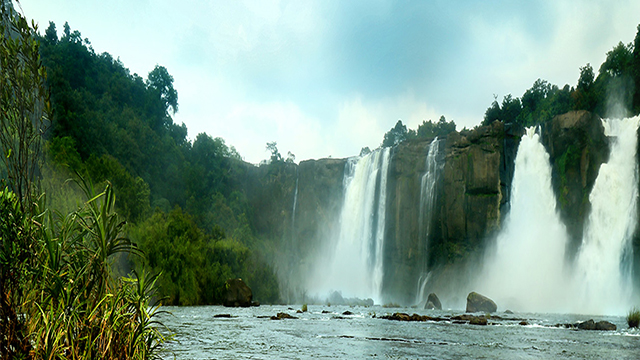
point(181, 198)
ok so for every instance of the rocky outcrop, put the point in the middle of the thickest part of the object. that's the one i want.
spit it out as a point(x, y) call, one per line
point(237, 294)
point(602, 325)
point(480, 303)
point(577, 146)
point(433, 302)
point(472, 191)
point(406, 251)
point(282, 316)
point(472, 194)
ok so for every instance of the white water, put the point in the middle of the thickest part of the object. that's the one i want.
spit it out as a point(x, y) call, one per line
point(527, 269)
point(293, 211)
point(427, 199)
point(601, 270)
point(356, 265)
point(525, 272)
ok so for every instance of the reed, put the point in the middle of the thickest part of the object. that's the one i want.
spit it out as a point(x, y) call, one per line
point(633, 317)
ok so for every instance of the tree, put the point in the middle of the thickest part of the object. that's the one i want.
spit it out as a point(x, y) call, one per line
point(636, 72)
point(511, 108)
point(51, 35)
point(272, 147)
point(291, 158)
point(161, 81)
point(493, 112)
point(584, 94)
point(395, 136)
point(24, 103)
point(618, 60)
point(586, 78)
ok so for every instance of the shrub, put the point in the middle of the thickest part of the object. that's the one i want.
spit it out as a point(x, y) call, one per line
point(633, 317)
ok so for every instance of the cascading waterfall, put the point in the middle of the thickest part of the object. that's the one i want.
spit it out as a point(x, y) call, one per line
point(356, 266)
point(526, 269)
point(293, 211)
point(603, 261)
point(427, 199)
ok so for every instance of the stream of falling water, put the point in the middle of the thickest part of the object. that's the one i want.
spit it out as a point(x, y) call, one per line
point(427, 199)
point(356, 265)
point(603, 265)
point(526, 270)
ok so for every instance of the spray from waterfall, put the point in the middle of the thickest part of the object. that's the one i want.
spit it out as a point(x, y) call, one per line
point(428, 184)
point(355, 268)
point(603, 266)
point(293, 211)
point(525, 271)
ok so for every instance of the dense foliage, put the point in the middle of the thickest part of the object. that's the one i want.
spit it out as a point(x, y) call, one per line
point(427, 130)
point(58, 296)
point(182, 198)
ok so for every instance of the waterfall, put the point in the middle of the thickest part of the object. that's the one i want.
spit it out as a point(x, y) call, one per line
point(603, 262)
point(428, 183)
point(293, 211)
point(356, 265)
point(525, 271)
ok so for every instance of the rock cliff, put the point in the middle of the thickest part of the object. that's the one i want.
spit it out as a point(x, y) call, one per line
point(577, 147)
point(471, 200)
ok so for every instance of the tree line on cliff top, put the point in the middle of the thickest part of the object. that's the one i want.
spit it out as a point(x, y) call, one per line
point(614, 92)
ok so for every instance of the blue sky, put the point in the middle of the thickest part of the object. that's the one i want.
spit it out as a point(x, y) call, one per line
point(326, 78)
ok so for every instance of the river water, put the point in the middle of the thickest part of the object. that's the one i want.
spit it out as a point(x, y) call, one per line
point(324, 332)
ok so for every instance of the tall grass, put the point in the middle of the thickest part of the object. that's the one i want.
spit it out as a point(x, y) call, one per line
point(73, 306)
point(633, 317)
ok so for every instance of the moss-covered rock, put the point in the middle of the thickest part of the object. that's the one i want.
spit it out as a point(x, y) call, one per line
point(577, 146)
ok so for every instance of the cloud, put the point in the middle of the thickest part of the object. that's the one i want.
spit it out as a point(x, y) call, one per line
point(330, 77)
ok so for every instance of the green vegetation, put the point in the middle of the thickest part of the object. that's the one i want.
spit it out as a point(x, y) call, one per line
point(426, 130)
point(633, 317)
point(183, 199)
point(614, 92)
point(59, 297)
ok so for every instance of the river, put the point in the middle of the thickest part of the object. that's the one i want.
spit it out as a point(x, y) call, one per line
point(324, 332)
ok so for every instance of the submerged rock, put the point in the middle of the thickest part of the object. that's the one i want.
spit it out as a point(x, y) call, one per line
point(606, 326)
point(282, 315)
point(480, 303)
point(587, 325)
point(433, 302)
point(415, 317)
point(591, 325)
point(478, 320)
point(237, 294)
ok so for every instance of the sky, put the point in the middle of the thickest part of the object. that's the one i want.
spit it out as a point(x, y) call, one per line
point(327, 78)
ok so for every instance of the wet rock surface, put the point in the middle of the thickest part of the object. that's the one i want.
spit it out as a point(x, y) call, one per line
point(480, 303)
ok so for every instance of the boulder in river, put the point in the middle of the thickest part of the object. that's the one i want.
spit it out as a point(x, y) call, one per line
point(605, 325)
point(480, 303)
point(282, 315)
point(433, 302)
point(237, 294)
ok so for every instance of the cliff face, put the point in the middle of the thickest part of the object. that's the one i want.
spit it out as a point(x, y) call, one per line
point(471, 200)
point(405, 249)
point(471, 192)
point(292, 240)
point(577, 147)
